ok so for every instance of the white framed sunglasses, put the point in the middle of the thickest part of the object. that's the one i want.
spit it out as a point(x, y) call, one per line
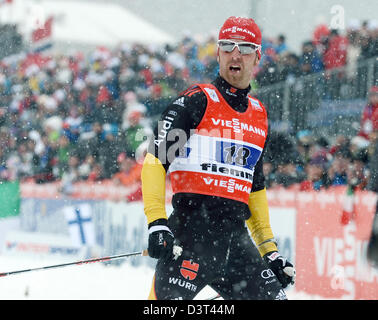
point(243, 47)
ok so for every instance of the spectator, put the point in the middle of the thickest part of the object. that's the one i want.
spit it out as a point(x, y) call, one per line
point(281, 45)
point(336, 50)
point(45, 161)
point(63, 155)
point(132, 105)
point(365, 46)
point(368, 39)
point(358, 174)
point(269, 72)
point(341, 142)
point(108, 152)
point(103, 111)
point(316, 174)
point(136, 133)
point(90, 142)
point(353, 53)
point(97, 173)
point(320, 34)
point(70, 176)
point(269, 174)
point(72, 124)
point(373, 32)
point(290, 68)
point(287, 174)
point(337, 172)
point(310, 60)
point(86, 167)
point(369, 117)
point(25, 168)
point(305, 141)
point(129, 172)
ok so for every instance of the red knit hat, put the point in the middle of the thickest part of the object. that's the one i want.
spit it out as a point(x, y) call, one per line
point(239, 28)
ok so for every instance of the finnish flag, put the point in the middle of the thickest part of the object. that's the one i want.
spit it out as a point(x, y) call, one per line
point(80, 224)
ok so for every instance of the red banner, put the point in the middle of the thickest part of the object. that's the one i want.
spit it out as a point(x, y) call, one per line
point(44, 32)
point(331, 257)
point(102, 190)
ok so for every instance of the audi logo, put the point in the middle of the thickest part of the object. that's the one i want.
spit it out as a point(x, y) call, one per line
point(267, 273)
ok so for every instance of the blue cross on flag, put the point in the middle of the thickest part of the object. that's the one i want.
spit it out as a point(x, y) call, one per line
point(80, 224)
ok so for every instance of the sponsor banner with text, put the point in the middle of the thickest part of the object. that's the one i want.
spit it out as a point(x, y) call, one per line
point(101, 190)
point(330, 256)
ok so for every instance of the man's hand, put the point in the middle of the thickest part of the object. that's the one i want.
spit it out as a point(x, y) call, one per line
point(160, 240)
point(283, 269)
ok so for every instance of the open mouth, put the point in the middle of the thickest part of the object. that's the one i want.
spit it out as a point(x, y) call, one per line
point(235, 68)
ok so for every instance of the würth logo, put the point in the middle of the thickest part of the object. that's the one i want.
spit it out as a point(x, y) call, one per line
point(189, 269)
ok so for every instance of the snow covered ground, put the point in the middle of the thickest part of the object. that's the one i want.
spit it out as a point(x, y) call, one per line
point(95, 281)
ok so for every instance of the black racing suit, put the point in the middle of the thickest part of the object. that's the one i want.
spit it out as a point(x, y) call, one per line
point(217, 248)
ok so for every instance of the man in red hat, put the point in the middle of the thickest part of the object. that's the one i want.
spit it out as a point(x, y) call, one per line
point(211, 141)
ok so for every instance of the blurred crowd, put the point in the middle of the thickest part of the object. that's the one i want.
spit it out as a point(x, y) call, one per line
point(310, 161)
point(87, 117)
point(315, 162)
point(328, 49)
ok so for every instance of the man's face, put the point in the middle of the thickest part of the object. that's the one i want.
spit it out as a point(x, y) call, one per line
point(237, 68)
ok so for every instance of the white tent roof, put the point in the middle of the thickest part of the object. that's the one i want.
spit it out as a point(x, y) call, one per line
point(86, 23)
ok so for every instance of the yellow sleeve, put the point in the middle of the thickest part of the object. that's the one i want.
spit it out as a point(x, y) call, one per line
point(153, 188)
point(259, 223)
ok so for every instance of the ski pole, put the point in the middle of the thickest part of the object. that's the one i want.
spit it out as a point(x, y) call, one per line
point(125, 255)
point(176, 252)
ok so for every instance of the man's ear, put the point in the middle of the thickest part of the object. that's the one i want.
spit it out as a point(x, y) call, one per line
point(257, 60)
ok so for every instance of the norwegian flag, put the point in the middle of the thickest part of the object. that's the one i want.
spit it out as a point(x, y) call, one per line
point(41, 38)
point(44, 32)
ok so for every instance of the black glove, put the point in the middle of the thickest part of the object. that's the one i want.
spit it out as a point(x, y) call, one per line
point(283, 269)
point(160, 240)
